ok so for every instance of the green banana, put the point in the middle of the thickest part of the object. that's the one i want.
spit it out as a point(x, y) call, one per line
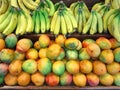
point(84, 19)
point(99, 22)
point(87, 12)
point(87, 25)
point(97, 5)
point(37, 23)
point(42, 22)
point(73, 5)
point(51, 6)
point(80, 22)
point(93, 28)
point(12, 25)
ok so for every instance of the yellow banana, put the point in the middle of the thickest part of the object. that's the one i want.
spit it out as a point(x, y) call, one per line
point(53, 21)
point(107, 1)
point(99, 22)
point(12, 25)
point(68, 23)
point(30, 23)
point(33, 3)
point(21, 5)
point(93, 28)
point(84, 19)
point(115, 4)
point(106, 17)
point(37, 1)
point(57, 25)
point(14, 3)
point(76, 11)
point(97, 5)
point(80, 22)
point(5, 23)
point(87, 25)
point(63, 25)
point(4, 6)
point(22, 29)
point(87, 12)
point(72, 6)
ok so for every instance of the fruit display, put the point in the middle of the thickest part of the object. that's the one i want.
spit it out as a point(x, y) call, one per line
point(59, 61)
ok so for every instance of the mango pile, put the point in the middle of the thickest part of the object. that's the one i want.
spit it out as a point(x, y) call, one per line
point(60, 61)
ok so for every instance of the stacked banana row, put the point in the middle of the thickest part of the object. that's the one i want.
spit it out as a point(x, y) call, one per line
point(81, 14)
point(4, 4)
point(114, 3)
point(112, 23)
point(63, 21)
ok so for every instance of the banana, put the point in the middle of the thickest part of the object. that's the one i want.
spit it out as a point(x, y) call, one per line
point(30, 23)
point(47, 20)
point(12, 25)
point(72, 19)
point(106, 17)
point(37, 1)
point(21, 5)
point(116, 31)
point(107, 1)
point(23, 24)
point(87, 12)
point(53, 21)
point(99, 22)
point(3, 16)
point(84, 19)
point(37, 22)
point(93, 28)
point(115, 4)
point(100, 8)
point(110, 22)
point(87, 25)
point(28, 5)
point(97, 5)
point(63, 25)
point(33, 3)
point(51, 6)
point(103, 11)
point(80, 22)
point(4, 6)
point(14, 3)
point(68, 23)
point(5, 23)
point(76, 11)
point(57, 25)
point(73, 5)
point(42, 22)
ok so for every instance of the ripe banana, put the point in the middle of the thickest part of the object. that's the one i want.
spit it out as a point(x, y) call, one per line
point(14, 3)
point(21, 5)
point(12, 25)
point(115, 4)
point(4, 6)
point(107, 1)
point(30, 23)
point(80, 22)
point(34, 3)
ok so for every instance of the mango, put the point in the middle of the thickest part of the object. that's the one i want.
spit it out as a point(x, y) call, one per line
point(113, 68)
point(61, 55)
point(24, 45)
point(99, 68)
point(42, 53)
point(11, 41)
point(65, 79)
point(37, 45)
point(116, 53)
point(15, 67)
point(2, 44)
point(114, 43)
point(3, 69)
point(23, 79)
point(1, 80)
point(38, 79)
point(71, 54)
point(44, 66)
point(92, 79)
point(60, 39)
point(117, 79)
point(29, 66)
point(103, 43)
point(85, 66)
point(52, 79)
point(58, 67)
point(10, 80)
point(79, 80)
point(106, 56)
point(7, 55)
point(86, 42)
point(19, 55)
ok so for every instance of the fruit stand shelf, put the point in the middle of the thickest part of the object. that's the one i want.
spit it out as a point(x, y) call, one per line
point(62, 87)
point(35, 37)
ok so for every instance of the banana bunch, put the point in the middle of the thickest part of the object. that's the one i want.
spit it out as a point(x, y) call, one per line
point(94, 24)
point(81, 14)
point(41, 21)
point(8, 21)
point(102, 8)
point(112, 23)
point(47, 5)
point(63, 21)
point(25, 23)
point(4, 4)
point(26, 5)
